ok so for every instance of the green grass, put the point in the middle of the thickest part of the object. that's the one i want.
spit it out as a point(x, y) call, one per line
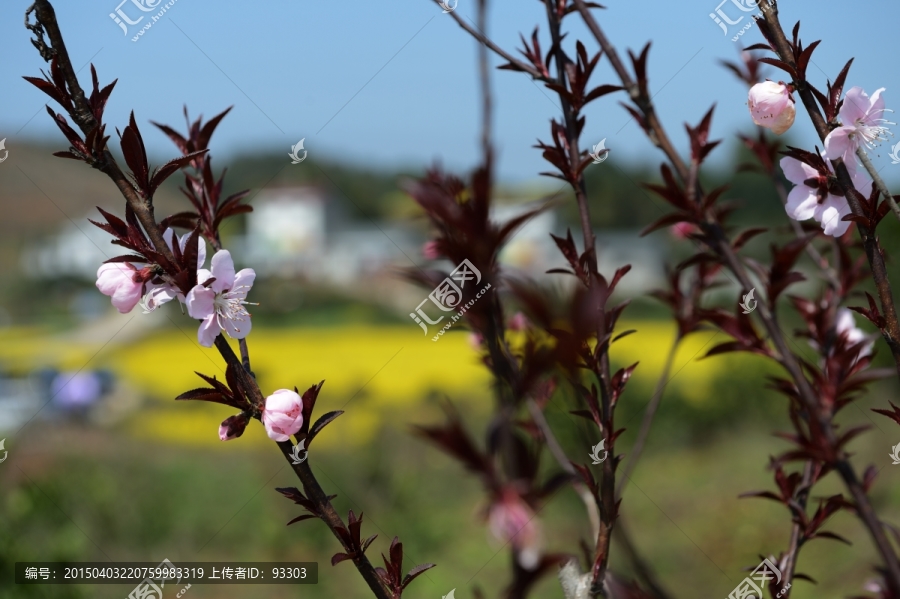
point(85, 494)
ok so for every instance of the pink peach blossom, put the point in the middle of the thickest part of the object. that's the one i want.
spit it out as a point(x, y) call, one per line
point(804, 202)
point(221, 305)
point(861, 118)
point(772, 106)
point(283, 414)
point(123, 283)
point(511, 520)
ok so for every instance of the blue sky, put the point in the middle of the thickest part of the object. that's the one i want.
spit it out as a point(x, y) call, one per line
point(394, 84)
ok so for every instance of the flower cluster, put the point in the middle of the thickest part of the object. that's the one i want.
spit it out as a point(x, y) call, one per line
point(817, 194)
point(218, 297)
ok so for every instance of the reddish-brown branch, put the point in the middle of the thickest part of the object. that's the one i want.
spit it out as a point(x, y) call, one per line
point(83, 117)
point(879, 274)
point(497, 49)
point(790, 563)
point(870, 241)
point(569, 117)
point(607, 505)
point(317, 495)
point(820, 421)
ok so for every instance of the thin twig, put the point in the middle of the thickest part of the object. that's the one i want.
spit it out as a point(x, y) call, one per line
point(84, 118)
point(876, 178)
point(328, 515)
point(497, 49)
point(485, 78)
point(790, 558)
point(649, 413)
point(559, 454)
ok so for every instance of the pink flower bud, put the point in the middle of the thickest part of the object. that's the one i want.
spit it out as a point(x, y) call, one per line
point(283, 414)
point(233, 426)
point(518, 322)
point(512, 521)
point(772, 106)
point(476, 340)
point(430, 250)
point(683, 230)
point(123, 283)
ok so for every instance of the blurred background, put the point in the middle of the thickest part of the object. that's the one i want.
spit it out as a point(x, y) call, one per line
point(103, 464)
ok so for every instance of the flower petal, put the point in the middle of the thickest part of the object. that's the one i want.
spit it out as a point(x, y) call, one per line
point(200, 302)
point(117, 281)
point(801, 203)
point(856, 106)
point(830, 212)
point(157, 295)
point(243, 281)
point(797, 172)
point(839, 144)
point(876, 108)
point(208, 331)
point(223, 270)
point(203, 276)
point(237, 328)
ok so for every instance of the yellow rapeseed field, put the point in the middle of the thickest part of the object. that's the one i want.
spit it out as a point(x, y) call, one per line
point(372, 371)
